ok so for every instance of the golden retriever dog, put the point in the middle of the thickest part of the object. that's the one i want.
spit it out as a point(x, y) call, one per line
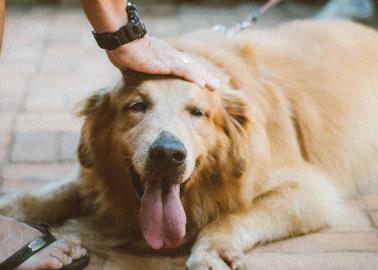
point(166, 165)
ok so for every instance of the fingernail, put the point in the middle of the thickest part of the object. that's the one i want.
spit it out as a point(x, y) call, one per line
point(213, 86)
point(69, 260)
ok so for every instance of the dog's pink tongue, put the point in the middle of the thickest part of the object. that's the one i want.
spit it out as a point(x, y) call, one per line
point(162, 218)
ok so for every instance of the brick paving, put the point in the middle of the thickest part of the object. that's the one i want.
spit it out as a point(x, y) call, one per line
point(50, 62)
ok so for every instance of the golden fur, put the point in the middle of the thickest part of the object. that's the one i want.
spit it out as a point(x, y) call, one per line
point(291, 134)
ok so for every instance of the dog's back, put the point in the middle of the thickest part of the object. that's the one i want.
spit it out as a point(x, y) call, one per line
point(328, 72)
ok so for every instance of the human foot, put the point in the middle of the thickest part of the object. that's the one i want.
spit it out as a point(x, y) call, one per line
point(15, 235)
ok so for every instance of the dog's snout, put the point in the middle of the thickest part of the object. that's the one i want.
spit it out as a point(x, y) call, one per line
point(167, 150)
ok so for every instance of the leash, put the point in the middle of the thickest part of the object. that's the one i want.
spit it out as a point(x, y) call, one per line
point(250, 19)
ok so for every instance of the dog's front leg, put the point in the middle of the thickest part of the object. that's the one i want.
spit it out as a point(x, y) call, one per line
point(53, 205)
point(287, 208)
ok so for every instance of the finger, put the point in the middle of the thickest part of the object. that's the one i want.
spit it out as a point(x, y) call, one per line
point(207, 81)
point(202, 79)
point(212, 83)
point(185, 72)
point(198, 71)
point(184, 67)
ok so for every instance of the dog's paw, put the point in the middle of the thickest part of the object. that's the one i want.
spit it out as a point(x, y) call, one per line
point(216, 259)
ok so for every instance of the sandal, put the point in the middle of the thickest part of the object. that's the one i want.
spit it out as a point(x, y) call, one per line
point(37, 245)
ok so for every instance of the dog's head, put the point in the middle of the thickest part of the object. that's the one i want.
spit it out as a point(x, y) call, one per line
point(160, 130)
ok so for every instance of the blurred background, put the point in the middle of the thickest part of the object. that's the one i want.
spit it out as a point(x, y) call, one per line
point(50, 62)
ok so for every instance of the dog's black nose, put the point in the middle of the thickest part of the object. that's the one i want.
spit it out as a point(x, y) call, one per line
point(168, 151)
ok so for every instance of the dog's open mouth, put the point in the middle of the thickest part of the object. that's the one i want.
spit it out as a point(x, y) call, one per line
point(139, 187)
point(162, 217)
point(137, 183)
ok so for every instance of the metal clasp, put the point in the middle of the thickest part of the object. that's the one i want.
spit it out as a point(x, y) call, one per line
point(36, 245)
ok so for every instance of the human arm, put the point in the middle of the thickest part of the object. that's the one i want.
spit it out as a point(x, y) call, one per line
point(148, 54)
point(2, 15)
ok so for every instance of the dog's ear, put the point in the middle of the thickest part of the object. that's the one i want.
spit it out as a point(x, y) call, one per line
point(236, 107)
point(236, 125)
point(84, 153)
point(97, 111)
point(94, 103)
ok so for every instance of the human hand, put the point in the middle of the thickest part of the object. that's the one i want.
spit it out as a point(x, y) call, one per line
point(154, 56)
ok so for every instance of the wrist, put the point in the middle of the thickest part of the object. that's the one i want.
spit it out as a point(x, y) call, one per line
point(128, 48)
point(133, 30)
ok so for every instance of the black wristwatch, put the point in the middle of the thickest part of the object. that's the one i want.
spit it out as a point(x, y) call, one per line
point(133, 30)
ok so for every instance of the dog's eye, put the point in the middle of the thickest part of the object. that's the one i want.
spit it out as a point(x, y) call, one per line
point(197, 112)
point(138, 106)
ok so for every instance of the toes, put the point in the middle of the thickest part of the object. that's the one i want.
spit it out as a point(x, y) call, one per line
point(48, 262)
point(56, 252)
point(219, 259)
point(76, 253)
point(63, 245)
point(84, 252)
point(206, 261)
point(66, 259)
point(234, 259)
point(75, 242)
point(55, 256)
point(61, 250)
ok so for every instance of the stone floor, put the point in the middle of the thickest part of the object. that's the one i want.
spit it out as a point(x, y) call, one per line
point(50, 63)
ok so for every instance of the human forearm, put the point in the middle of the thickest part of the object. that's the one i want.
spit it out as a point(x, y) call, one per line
point(2, 15)
point(147, 54)
point(105, 15)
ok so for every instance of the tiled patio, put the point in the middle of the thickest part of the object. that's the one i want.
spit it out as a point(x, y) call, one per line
point(50, 62)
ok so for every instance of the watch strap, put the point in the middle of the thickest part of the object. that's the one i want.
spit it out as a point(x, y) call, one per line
point(133, 30)
point(29, 250)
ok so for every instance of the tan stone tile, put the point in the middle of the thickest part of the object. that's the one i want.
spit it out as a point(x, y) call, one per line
point(313, 261)
point(369, 202)
point(67, 58)
point(13, 86)
point(9, 104)
point(23, 53)
point(68, 146)
point(40, 121)
point(22, 69)
point(326, 242)
point(130, 262)
point(6, 121)
point(45, 104)
point(50, 84)
point(35, 146)
point(30, 177)
point(5, 139)
point(374, 217)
